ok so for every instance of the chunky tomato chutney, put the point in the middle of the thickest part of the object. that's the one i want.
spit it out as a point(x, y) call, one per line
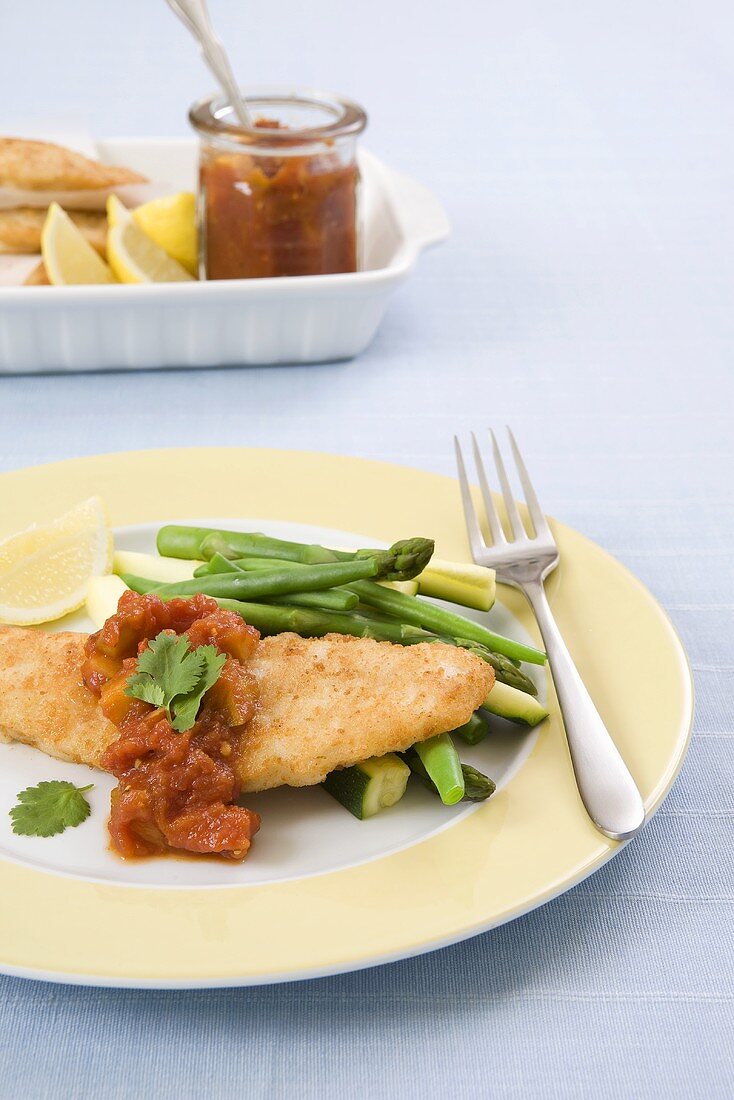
point(284, 213)
point(176, 790)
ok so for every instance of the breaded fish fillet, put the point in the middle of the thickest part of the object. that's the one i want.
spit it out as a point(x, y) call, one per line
point(43, 701)
point(43, 166)
point(20, 229)
point(327, 702)
point(324, 702)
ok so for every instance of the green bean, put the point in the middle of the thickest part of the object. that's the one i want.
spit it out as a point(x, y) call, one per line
point(441, 760)
point(280, 582)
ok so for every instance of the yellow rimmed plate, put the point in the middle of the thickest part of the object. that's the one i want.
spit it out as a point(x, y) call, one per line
point(78, 922)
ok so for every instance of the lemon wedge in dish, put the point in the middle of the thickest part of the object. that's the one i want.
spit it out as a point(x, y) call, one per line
point(133, 256)
point(171, 222)
point(116, 212)
point(45, 570)
point(68, 257)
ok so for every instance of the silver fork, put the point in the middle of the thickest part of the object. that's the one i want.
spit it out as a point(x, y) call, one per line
point(607, 789)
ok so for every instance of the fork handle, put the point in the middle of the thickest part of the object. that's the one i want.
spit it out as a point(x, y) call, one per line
point(607, 789)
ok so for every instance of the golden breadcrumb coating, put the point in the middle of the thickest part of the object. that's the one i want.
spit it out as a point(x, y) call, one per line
point(324, 703)
point(42, 166)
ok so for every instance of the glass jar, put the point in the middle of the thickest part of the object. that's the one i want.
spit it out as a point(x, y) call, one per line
point(280, 197)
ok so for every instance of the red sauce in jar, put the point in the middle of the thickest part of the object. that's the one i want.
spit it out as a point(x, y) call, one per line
point(278, 214)
point(175, 790)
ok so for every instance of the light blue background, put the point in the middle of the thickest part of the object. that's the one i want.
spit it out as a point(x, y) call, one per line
point(584, 152)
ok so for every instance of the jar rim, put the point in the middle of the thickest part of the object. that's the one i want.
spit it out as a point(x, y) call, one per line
point(348, 118)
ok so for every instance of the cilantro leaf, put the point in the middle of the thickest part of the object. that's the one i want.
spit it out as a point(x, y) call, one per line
point(172, 662)
point(167, 668)
point(49, 808)
point(187, 706)
point(142, 686)
point(172, 675)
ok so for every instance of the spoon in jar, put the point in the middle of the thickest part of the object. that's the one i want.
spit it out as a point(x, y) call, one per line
point(194, 15)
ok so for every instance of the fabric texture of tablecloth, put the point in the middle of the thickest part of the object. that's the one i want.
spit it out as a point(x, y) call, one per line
point(584, 154)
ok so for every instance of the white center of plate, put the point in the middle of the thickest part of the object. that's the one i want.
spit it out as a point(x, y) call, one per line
point(304, 831)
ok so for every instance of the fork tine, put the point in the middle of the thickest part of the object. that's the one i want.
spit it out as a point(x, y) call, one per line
point(493, 519)
point(536, 512)
point(476, 539)
point(512, 513)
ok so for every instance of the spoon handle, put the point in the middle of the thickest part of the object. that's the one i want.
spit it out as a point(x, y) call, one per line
point(195, 16)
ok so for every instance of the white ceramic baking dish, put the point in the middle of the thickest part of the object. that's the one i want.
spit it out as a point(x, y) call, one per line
point(242, 321)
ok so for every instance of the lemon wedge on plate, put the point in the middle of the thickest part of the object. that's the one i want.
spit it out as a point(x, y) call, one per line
point(68, 257)
point(45, 570)
point(171, 222)
point(133, 256)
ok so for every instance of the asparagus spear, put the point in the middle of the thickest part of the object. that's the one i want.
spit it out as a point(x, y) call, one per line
point(309, 623)
point(403, 561)
point(219, 564)
point(505, 670)
point(493, 648)
point(462, 583)
point(333, 599)
point(143, 585)
point(175, 541)
point(242, 586)
point(409, 609)
point(441, 762)
point(237, 544)
point(477, 785)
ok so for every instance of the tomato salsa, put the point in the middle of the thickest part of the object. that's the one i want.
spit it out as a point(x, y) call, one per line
point(281, 214)
point(175, 790)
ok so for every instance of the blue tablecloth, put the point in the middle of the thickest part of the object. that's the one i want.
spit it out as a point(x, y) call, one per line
point(584, 153)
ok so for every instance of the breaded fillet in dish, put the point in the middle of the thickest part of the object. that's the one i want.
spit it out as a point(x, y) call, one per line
point(327, 702)
point(20, 229)
point(42, 166)
point(324, 703)
point(38, 276)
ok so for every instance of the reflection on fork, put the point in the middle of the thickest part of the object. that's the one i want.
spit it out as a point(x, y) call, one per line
point(524, 560)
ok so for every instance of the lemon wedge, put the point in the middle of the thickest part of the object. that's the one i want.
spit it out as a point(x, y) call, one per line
point(171, 222)
point(116, 212)
point(68, 257)
point(133, 256)
point(45, 570)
